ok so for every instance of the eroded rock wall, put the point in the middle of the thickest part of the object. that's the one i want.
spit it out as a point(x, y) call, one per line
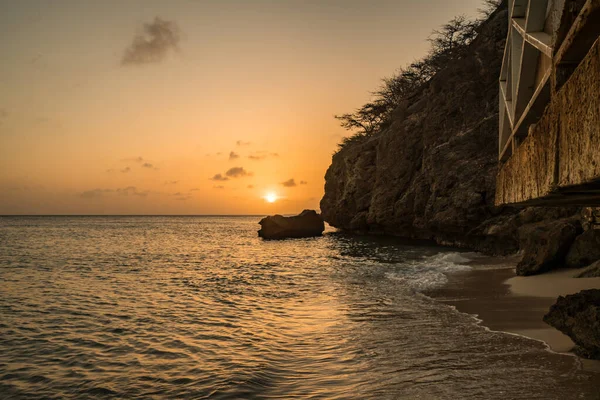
point(432, 173)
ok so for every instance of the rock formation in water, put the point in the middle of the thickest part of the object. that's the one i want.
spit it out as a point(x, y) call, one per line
point(307, 224)
point(431, 173)
point(578, 316)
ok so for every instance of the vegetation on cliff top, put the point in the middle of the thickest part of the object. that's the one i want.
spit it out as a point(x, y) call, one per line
point(448, 44)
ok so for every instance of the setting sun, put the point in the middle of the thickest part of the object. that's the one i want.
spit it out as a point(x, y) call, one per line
point(271, 197)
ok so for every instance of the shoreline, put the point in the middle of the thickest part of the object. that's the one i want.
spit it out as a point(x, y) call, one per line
point(502, 301)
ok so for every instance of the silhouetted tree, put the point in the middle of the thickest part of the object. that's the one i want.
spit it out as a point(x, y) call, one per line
point(448, 44)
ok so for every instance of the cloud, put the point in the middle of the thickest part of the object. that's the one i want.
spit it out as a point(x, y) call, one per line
point(148, 165)
point(24, 188)
point(183, 198)
point(237, 172)
point(256, 158)
point(159, 37)
point(250, 186)
point(289, 183)
point(219, 187)
point(131, 190)
point(127, 191)
point(242, 143)
point(219, 177)
point(194, 190)
point(171, 182)
point(126, 170)
point(133, 159)
point(261, 155)
point(303, 183)
point(233, 155)
point(94, 193)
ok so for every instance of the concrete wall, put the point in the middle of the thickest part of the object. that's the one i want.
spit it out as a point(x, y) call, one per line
point(559, 161)
point(579, 123)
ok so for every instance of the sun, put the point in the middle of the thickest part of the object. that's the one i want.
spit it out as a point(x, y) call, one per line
point(271, 197)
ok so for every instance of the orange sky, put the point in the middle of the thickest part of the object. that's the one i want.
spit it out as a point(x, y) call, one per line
point(93, 121)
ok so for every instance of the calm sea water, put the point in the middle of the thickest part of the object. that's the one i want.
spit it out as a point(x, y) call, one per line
point(200, 307)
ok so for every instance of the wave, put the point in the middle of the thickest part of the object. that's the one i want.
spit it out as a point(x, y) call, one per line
point(431, 272)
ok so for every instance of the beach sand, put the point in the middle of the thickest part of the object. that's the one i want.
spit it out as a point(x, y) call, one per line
point(515, 304)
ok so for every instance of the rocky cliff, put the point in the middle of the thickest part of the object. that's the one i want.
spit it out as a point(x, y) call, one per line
point(431, 173)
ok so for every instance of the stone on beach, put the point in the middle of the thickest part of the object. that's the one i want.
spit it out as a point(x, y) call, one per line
point(545, 245)
point(578, 316)
point(307, 224)
point(593, 271)
point(585, 249)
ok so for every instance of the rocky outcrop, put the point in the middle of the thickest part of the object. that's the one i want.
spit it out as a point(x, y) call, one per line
point(593, 271)
point(578, 316)
point(585, 249)
point(545, 245)
point(431, 173)
point(307, 224)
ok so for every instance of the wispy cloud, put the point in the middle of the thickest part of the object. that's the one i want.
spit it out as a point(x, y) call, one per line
point(219, 187)
point(242, 143)
point(303, 183)
point(261, 155)
point(250, 186)
point(123, 170)
point(134, 159)
point(148, 165)
point(132, 191)
point(171, 182)
point(237, 172)
point(289, 183)
point(233, 155)
point(157, 39)
point(94, 193)
point(126, 191)
point(219, 177)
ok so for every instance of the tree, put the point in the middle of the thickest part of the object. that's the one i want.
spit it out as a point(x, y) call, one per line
point(448, 44)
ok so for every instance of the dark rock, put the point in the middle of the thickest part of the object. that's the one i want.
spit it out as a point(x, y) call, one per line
point(307, 224)
point(593, 271)
point(578, 316)
point(545, 245)
point(585, 249)
point(431, 174)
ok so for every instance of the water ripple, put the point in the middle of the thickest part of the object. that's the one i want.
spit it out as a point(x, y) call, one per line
point(199, 307)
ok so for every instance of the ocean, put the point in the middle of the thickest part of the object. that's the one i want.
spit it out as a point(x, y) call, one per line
point(200, 307)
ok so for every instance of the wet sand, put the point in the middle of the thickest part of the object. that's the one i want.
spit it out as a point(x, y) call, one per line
point(514, 304)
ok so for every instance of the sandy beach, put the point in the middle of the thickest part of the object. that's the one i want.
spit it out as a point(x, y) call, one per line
point(516, 304)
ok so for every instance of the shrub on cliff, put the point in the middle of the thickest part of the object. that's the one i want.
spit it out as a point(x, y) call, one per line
point(448, 44)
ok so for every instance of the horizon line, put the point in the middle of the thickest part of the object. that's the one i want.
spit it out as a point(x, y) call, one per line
point(137, 215)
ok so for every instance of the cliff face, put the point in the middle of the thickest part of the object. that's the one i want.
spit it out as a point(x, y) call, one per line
point(431, 173)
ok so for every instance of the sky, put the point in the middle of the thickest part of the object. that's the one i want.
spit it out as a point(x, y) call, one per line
point(190, 107)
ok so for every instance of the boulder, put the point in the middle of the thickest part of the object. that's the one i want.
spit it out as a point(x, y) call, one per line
point(585, 249)
point(545, 245)
point(593, 271)
point(578, 316)
point(306, 224)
